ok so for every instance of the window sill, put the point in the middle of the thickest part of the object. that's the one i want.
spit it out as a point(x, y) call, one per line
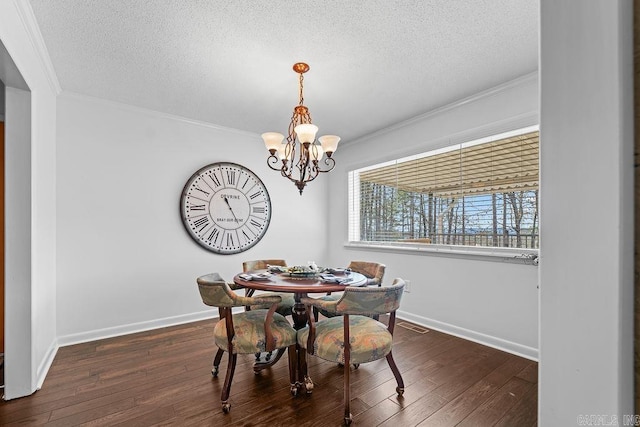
point(518, 256)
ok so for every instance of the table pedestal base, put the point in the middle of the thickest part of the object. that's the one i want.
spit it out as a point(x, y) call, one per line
point(299, 315)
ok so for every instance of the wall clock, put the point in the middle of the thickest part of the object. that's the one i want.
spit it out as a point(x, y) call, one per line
point(225, 207)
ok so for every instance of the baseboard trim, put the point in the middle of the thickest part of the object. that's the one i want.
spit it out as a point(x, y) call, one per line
point(132, 328)
point(45, 365)
point(66, 340)
point(488, 340)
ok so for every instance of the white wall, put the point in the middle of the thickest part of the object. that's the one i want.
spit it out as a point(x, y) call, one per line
point(493, 302)
point(125, 261)
point(30, 291)
point(586, 303)
point(18, 294)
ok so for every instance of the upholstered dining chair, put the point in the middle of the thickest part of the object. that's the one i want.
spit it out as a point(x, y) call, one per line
point(373, 271)
point(285, 307)
point(355, 337)
point(248, 332)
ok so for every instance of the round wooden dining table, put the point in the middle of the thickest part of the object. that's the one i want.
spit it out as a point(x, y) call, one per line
point(300, 286)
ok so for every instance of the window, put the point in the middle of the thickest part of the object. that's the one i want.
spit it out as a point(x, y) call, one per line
point(478, 193)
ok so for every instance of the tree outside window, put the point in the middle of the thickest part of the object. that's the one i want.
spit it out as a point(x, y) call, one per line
point(481, 193)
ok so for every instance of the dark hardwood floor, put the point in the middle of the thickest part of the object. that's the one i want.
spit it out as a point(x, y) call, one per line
point(162, 377)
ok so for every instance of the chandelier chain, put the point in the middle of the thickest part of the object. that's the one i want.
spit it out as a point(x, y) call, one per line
point(301, 91)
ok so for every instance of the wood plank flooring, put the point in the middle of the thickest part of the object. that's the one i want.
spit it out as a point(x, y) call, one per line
point(162, 377)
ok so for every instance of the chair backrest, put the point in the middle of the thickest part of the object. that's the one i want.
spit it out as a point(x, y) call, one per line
point(215, 291)
point(371, 270)
point(261, 264)
point(371, 301)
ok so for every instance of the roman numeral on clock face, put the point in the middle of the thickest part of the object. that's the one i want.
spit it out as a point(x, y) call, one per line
point(201, 223)
point(213, 236)
point(245, 183)
point(214, 179)
point(206, 193)
point(231, 177)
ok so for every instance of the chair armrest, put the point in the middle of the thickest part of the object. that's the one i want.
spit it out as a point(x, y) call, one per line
point(374, 282)
point(329, 306)
point(258, 300)
point(234, 286)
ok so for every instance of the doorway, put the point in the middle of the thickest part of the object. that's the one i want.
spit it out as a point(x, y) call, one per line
point(636, 102)
point(19, 373)
point(2, 239)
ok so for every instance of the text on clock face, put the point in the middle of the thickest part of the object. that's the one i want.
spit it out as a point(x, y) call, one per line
point(229, 220)
point(230, 196)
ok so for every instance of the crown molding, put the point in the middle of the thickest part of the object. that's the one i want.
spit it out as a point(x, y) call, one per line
point(440, 110)
point(30, 24)
point(150, 112)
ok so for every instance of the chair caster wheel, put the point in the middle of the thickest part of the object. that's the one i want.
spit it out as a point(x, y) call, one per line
point(214, 372)
point(294, 390)
point(400, 391)
point(308, 385)
point(226, 407)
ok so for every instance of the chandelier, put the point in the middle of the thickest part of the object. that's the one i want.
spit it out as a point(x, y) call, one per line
point(300, 155)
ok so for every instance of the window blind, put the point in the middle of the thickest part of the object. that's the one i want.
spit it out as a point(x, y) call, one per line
point(480, 193)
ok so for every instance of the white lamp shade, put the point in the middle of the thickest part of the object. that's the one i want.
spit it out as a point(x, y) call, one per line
point(272, 140)
point(282, 149)
point(329, 143)
point(306, 132)
point(316, 152)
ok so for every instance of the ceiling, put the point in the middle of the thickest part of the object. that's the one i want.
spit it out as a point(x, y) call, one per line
point(373, 63)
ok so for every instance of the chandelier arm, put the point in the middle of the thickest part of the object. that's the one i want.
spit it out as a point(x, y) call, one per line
point(290, 152)
point(286, 172)
point(273, 160)
point(313, 171)
point(330, 162)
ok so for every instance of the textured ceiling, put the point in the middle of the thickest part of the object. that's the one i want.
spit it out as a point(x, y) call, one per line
point(373, 63)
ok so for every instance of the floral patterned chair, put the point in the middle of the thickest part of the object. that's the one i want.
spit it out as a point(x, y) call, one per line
point(373, 271)
point(249, 332)
point(285, 307)
point(355, 337)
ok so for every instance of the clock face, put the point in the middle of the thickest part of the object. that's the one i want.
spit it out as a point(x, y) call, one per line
point(225, 208)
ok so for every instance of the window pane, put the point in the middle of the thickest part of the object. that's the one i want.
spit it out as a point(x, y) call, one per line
point(474, 194)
